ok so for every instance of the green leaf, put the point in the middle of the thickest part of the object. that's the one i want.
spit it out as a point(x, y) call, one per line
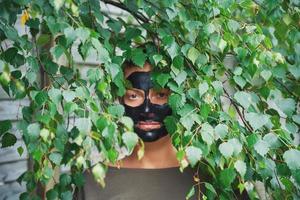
point(209, 187)
point(57, 4)
point(178, 62)
point(127, 121)
point(157, 58)
point(226, 149)
point(5, 126)
point(20, 150)
point(55, 95)
point(296, 118)
point(130, 139)
point(291, 157)
point(162, 79)
point(180, 78)
point(272, 140)
point(37, 155)
point(31, 76)
point(7, 140)
point(207, 133)
point(69, 95)
point(67, 195)
point(240, 167)
point(169, 122)
point(114, 70)
point(103, 54)
point(116, 110)
point(266, 74)
point(52, 194)
point(82, 33)
point(51, 67)
point(41, 97)
point(97, 74)
point(43, 39)
point(203, 88)
point(237, 146)
point(217, 44)
point(78, 179)
point(115, 25)
point(33, 131)
point(82, 92)
point(233, 25)
point(262, 147)
point(187, 122)
point(99, 172)
point(226, 177)
point(243, 98)
point(295, 71)
point(55, 158)
point(45, 134)
point(221, 130)
point(70, 107)
point(256, 120)
point(193, 54)
point(287, 105)
point(191, 193)
point(138, 57)
point(84, 125)
point(210, 28)
point(218, 86)
point(65, 179)
point(173, 50)
point(252, 139)
point(70, 34)
point(222, 44)
point(33, 63)
point(296, 176)
point(240, 81)
point(193, 154)
point(57, 51)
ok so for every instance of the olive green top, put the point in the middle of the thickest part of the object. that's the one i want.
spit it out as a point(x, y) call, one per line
point(137, 184)
point(146, 184)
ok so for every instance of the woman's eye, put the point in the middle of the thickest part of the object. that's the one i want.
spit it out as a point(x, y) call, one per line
point(161, 95)
point(132, 96)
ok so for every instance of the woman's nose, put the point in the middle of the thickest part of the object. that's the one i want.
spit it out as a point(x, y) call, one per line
point(147, 108)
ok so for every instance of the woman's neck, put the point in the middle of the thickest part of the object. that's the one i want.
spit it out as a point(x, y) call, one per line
point(158, 154)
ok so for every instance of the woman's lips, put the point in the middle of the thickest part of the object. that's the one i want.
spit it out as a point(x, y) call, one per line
point(148, 125)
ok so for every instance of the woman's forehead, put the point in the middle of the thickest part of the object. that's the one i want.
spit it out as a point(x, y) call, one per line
point(128, 70)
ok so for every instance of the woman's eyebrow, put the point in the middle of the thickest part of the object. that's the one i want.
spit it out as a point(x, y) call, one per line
point(135, 90)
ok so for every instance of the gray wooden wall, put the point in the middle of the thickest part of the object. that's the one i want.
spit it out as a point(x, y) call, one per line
point(12, 165)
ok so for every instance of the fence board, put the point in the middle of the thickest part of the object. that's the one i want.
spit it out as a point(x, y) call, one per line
point(11, 191)
point(10, 154)
point(12, 110)
point(11, 171)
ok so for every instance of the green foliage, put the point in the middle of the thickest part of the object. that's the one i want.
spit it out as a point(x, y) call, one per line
point(232, 67)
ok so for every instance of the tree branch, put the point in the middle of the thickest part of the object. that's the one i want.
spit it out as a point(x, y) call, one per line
point(238, 111)
point(120, 5)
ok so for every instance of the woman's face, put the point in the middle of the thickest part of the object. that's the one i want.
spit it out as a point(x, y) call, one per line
point(146, 106)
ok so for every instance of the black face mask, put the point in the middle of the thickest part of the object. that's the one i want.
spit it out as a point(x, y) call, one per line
point(147, 111)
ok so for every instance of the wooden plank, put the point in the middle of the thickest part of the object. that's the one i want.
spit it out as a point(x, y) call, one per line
point(9, 172)
point(15, 131)
point(11, 191)
point(10, 154)
point(12, 110)
point(3, 94)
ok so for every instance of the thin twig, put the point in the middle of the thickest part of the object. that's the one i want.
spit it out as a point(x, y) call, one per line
point(248, 126)
point(124, 7)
